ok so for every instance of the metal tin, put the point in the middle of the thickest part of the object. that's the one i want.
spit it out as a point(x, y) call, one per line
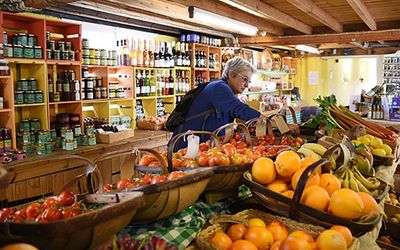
point(68, 46)
point(56, 55)
point(38, 54)
point(89, 129)
point(24, 125)
point(85, 140)
point(8, 50)
point(64, 55)
point(85, 43)
point(51, 45)
point(69, 135)
point(85, 52)
point(23, 84)
point(18, 51)
point(49, 55)
point(53, 134)
point(22, 39)
point(41, 137)
point(49, 147)
point(61, 45)
point(77, 130)
point(32, 84)
point(29, 97)
point(85, 60)
point(31, 40)
point(35, 124)
point(29, 52)
point(71, 55)
point(92, 60)
point(38, 96)
point(40, 148)
point(92, 140)
point(69, 145)
point(5, 37)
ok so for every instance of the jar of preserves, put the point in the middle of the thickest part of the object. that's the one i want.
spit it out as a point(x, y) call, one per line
point(85, 60)
point(97, 93)
point(56, 55)
point(8, 50)
point(22, 39)
point(85, 140)
point(89, 83)
point(85, 43)
point(19, 97)
point(78, 140)
point(40, 148)
point(103, 91)
point(24, 126)
point(38, 96)
point(89, 94)
point(109, 62)
point(53, 134)
point(92, 52)
point(71, 55)
point(92, 60)
point(49, 147)
point(18, 51)
point(68, 135)
point(32, 84)
point(64, 55)
point(49, 55)
point(75, 143)
point(103, 53)
point(85, 72)
point(4, 69)
point(103, 61)
point(28, 51)
point(31, 40)
point(91, 140)
point(51, 45)
point(27, 148)
point(29, 97)
point(89, 129)
point(68, 46)
point(61, 46)
point(69, 145)
point(85, 52)
point(35, 124)
point(98, 81)
point(97, 53)
point(84, 94)
point(23, 84)
point(97, 61)
point(38, 52)
point(41, 137)
point(77, 130)
point(5, 37)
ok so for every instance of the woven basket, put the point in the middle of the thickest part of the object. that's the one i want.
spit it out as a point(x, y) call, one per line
point(85, 231)
point(223, 222)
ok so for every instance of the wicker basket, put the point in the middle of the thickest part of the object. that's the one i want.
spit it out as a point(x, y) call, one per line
point(293, 209)
point(85, 231)
point(223, 222)
point(166, 198)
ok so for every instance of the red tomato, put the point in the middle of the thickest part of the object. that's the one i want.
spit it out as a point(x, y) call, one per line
point(68, 212)
point(219, 159)
point(108, 187)
point(50, 202)
point(52, 214)
point(202, 159)
point(146, 159)
point(5, 212)
point(121, 184)
point(158, 179)
point(237, 136)
point(40, 219)
point(33, 210)
point(76, 205)
point(66, 198)
point(145, 180)
point(175, 175)
point(228, 149)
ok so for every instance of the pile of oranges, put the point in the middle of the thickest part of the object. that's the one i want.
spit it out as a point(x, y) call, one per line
point(322, 191)
point(276, 236)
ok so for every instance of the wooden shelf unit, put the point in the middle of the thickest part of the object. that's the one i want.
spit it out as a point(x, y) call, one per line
point(207, 73)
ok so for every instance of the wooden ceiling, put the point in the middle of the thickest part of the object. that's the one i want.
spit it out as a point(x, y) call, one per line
point(321, 23)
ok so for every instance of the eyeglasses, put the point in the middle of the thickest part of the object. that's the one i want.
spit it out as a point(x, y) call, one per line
point(244, 78)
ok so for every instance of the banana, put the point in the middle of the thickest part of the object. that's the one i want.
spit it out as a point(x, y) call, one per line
point(309, 153)
point(346, 180)
point(317, 148)
point(361, 187)
point(367, 183)
point(352, 183)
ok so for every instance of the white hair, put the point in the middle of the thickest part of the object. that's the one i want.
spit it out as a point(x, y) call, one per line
point(237, 65)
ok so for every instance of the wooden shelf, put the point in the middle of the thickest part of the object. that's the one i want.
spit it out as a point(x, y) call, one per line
point(180, 94)
point(165, 96)
point(145, 97)
point(120, 99)
point(25, 61)
point(214, 70)
point(6, 110)
point(64, 102)
point(201, 69)
point(95, 101)
point(63, 62)
point(30, 105)
point(94, 66)
point(181, 68)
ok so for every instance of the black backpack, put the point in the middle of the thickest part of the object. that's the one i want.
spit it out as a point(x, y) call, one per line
point(178, 115)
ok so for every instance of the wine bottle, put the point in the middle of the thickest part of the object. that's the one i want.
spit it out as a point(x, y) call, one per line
point(171, 83)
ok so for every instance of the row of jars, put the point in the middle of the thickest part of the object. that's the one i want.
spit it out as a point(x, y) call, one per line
point(28, 97)
point(391, 60)
point(5, 140)
point(4, 68)
point(391, 67)
point(20, 39)
point(90, 60)
point(27, 84)
point(29, 125)
point(23, 51)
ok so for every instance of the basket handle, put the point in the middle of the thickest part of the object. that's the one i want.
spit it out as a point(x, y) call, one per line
point(292, 112)
point(164, 168)
point(229, 129)
point(174, 140)
point(301, 184)
point(268, 128)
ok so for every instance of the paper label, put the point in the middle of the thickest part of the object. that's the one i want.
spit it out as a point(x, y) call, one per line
point(281, 124)
point(261, 127)
point(193, 146)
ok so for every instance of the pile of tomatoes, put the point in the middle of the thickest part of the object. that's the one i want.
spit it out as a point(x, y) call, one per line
point(146, 179)
point(50, 209)
point(292, 141)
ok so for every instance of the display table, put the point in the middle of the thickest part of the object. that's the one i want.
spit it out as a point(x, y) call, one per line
point(32, 180)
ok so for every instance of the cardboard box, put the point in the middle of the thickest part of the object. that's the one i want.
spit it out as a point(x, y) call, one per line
point(110, 138)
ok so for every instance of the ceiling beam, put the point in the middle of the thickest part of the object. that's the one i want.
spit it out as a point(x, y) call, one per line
point(230, 12)
point(317, 13)
point(362, 11)
point(267, 11)
point(358, 45)
point(362, 36)
point(335, 46)
point(41, 4)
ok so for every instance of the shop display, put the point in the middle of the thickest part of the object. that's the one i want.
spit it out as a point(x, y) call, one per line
point(197, 38)
point(182, 81)
point(27, 92)
point(146, 83)
point(92, 56)
point(5, 140)
point(67, 87)
point(152, 123)
point(22, 46)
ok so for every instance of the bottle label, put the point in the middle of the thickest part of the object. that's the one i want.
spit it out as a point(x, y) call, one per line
point(137, 90)
point(153, 89)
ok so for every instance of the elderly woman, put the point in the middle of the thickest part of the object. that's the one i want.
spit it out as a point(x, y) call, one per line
point(217, 104)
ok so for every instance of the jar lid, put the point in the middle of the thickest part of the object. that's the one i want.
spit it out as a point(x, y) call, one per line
point(19, 92)
point(17, 46)
point(61, 42)
point(48, 50)
point(38, 91)
point(35, 120)
point(32, 79)
point(38, 47)
point(28, 47)
point(22, 79)
point(22, 34)
point(56, 50)
point(31, 35)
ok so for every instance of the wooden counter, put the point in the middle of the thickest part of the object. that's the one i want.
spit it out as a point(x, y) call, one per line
point(33, 180)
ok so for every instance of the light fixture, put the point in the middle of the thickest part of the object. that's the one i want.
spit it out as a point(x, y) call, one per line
point(307, 48)
point(223, 22)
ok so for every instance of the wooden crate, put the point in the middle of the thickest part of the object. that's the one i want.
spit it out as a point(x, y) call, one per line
point(110, 138)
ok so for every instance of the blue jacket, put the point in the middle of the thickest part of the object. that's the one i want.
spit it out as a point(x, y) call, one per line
point(217, 95)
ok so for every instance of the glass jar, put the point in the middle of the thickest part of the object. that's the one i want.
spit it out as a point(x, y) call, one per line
point(91, 140)
point(89, 83)
point(49, 55)
point(109, 62)
point(85, 52)
point(75, 85)
point(83, 94)
point(8, 50)
point(56, 55)
point(69, 145)
point(85, 72)
point(97, 93)
point(78, 140)
point(38, 96)
point(35, 124)
point(61, 45)
point(85, 43)
point(97, 61)
point(53, 134)
point(64, 55)
point(71, 55)
point(24, 126)
point(75, 95)
point(51, 45)
point(18, 51)
point(40, 148)
point(103, 91)
point(75, 143)
point(89, 94)
point(98, 82)
point(31, 40)
point(29, 97)
point(85, 140)
point(41, 137)
point(85, 60)
point(92, 53)
point(92, 60)
point(112, 93)
point(103, 61)
point(77, 130)
point(27, 148)
point(68, 46)
point(69, 135)
point(49, 147)
point(23, 84)
point(120, 93)
point(103, 53)
point(89, 129)
point(32, 84)
point(25, 137)
point(5, 37)
point(4, 69)
point(22, 39)
point(38, 52)
point(29, 52)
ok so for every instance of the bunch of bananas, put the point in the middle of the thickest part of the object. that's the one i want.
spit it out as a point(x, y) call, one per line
point(312, 150)
point(350, 177)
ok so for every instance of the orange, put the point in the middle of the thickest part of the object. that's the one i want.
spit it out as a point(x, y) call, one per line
point(287, 163)
point(292, 243)
point(276, 245)
point(236, 231)
point(263, 170)
point(347, 204)
point(261, 237)
point(302, 235)
point(243, 245)
point(256, 222)
point(288, 193)
point(278, 230)
point(307, 161)
point(346, 233)
point(221, 240)
point(312, 180)
point(19, 246)
point(278, 186)
point(316, 197)
point(331, 240)
point(176, 163)
point(330, 183)
point(370, 205)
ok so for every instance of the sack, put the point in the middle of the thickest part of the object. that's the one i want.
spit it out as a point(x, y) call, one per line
point(178, 115)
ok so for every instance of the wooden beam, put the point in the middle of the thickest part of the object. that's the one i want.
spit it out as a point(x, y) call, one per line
point(40, 4)
point(335, 46)
point(362, 11)
point(347, 37)
point(319, 14)
point(381, 42)
point(358, 45)
point(230, 12)
point(267, 11)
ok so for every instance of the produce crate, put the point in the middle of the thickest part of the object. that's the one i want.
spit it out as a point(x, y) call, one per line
point(85, 231)
point(143, 124)
point(113, 137)
point(222, 222)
